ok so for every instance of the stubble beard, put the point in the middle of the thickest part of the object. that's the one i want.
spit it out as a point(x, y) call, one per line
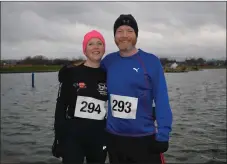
point(129, 47)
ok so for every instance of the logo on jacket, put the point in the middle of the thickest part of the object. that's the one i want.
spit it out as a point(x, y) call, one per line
point(80, 85)
point(102, 89)
point(136, 69)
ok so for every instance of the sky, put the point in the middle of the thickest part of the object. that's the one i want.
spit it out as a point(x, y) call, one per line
point(176, 30)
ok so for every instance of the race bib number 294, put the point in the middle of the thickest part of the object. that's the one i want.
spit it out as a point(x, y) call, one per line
point(124, 107)
point(91, 108)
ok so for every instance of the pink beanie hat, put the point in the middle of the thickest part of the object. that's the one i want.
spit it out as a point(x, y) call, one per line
point(90, 35)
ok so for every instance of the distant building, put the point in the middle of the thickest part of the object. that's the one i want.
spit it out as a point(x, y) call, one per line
point(174, 65)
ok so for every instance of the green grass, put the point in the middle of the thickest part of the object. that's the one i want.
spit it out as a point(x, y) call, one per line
point(212, 67)
point(55, 68)
point(192, 68)
point(29, 69)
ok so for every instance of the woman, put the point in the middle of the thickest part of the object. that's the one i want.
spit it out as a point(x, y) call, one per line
point(80, 110)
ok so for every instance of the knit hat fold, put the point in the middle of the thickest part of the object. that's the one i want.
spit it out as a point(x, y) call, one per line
point(90, 35)
point(128, 20)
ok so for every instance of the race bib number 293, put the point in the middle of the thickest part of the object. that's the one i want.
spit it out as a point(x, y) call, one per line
point(91, 108)
point(123, 106)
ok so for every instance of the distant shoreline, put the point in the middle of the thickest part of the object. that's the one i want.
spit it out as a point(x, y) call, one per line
point(27, 72)
point(29, 69)
point(185, 69)
point(56, 68)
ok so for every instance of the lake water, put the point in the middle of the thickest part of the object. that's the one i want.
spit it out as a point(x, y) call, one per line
point(198, 101)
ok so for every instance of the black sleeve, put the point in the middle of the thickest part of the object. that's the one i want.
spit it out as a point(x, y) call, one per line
point(60, 112)
point(62, 102)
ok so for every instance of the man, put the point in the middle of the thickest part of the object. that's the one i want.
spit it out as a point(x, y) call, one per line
point(134, 79)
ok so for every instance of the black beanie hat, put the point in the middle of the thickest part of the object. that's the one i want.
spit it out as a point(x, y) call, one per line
point(128, 20)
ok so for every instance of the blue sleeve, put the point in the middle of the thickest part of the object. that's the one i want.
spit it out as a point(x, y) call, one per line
point(162, 106)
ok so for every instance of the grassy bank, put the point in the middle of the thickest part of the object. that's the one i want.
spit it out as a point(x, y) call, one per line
point(29, 69)
point(212, 67)
point(180, 69)
point(55, 68)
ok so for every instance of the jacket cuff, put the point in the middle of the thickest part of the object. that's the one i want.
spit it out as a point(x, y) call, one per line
point(162, 137)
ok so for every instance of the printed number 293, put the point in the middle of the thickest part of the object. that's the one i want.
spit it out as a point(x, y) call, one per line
point(122, 106)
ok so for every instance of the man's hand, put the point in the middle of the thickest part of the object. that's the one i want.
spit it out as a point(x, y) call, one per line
point(161, 147)
point(158, 146)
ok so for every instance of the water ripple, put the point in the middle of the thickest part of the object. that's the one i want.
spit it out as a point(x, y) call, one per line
point(198, 102)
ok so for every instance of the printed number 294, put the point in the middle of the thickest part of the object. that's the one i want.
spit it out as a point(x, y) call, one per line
point(90, 107)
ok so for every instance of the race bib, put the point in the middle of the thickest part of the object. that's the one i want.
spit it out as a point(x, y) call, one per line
point(91, 108)
point(123, 106)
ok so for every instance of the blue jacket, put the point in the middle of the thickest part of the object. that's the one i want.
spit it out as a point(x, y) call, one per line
point(133, 84)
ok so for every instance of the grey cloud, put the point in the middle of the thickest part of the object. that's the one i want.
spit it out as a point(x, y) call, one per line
point(186, 14)
point(167, 28)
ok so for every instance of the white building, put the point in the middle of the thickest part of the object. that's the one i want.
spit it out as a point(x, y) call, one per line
point(174, 66)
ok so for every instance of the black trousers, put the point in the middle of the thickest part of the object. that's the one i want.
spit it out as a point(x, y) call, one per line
point(125, 150)
point(81, 143)
point(76, 149)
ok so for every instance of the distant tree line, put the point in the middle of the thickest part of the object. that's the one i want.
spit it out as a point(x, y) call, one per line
point(195, 62)
point(42, 60)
